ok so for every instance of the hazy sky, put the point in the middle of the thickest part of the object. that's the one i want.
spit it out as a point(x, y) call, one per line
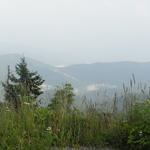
point(76, 31)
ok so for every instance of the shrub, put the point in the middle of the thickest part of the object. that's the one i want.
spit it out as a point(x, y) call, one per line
point(139, 126)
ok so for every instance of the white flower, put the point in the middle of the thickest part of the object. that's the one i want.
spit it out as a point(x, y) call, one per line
point(140, 133)
point(49, 129)
point(26, 103)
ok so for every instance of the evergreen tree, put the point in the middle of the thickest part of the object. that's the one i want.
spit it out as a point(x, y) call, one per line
point(24, 84)
point(63, 98)
point(11, 91)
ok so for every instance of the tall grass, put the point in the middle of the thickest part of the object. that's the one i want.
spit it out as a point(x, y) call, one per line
point(36, 128)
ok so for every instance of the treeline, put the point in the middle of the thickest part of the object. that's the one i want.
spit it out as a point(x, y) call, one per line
point(24, 125)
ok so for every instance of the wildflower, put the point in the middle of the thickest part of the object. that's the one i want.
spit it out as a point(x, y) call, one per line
point(140, 133)
point(49, 129)
point(26, 103)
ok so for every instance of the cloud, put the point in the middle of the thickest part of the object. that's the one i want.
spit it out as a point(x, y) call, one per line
point(142, 10)
point(96, 87)
point(76, 31)
point(60, 66)
point(46, 87)
point(108, 3)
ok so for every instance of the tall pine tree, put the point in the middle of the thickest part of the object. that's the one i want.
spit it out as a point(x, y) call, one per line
point(24, 84)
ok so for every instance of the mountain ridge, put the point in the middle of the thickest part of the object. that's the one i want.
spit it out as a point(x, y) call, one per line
point(51, 74)
point(113, 73)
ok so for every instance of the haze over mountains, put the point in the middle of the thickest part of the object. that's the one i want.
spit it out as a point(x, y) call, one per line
point(110, 73)
point(89, 76)
point(50, 74)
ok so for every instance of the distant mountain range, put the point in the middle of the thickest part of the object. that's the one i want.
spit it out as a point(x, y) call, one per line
point(50, 74)
point(85, 75)
point(110, 73)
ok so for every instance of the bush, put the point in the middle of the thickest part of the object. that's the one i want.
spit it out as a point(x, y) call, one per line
point(139, 126)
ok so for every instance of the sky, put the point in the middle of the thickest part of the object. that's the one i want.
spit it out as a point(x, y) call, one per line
point(65, 32)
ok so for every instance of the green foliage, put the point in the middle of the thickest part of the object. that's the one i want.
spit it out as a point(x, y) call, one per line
point(22, 131)
point(63, 98)
point(11, 91)
point(25, 84)
point(139, 126)
point(43, 128)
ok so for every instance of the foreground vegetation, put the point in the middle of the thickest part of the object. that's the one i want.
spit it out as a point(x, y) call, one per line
point(24, 125)
point(42, 128)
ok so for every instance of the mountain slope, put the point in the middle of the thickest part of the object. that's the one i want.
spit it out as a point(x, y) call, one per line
point(110, 73)
point(50, 74)
point(81, 75)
